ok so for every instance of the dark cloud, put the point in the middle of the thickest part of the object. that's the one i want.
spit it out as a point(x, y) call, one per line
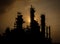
point(4, 4)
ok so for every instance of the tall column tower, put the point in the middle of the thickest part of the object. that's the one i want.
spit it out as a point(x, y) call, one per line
point(43, 25)
point(32, 11)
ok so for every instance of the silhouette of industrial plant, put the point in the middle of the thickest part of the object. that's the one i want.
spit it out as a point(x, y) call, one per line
point(35, 34)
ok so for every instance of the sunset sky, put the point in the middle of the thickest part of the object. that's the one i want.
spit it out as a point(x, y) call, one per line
point(51, 9)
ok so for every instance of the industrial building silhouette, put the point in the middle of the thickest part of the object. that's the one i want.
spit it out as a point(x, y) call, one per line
point(35, 34)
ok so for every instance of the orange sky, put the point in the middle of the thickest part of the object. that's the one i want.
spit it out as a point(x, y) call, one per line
point(51, 8)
